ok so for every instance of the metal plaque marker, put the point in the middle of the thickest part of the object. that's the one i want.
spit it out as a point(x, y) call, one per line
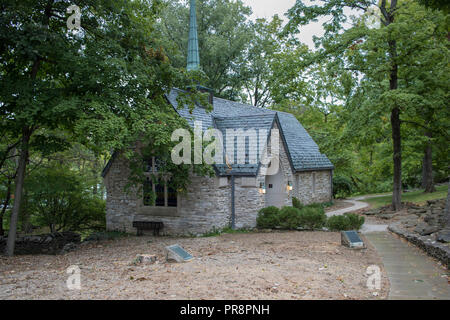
point(177, 253)
point(351, 239)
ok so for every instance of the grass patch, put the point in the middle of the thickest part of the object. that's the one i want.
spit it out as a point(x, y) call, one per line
point(418, 197)
point(215, 232)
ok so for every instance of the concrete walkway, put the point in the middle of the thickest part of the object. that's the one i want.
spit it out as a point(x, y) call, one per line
point(412, 274)
point(356, 206)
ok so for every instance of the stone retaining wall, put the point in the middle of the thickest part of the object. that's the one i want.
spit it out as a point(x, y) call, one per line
point(53, 243)
point(433, 248)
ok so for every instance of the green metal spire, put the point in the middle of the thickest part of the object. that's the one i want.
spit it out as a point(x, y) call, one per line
point(193, 58)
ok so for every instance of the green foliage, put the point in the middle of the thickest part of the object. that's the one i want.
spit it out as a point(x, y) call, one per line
point(349, 221)
point(345, 103)
point(268, 218)
point(296, 203)
point(318, 206)
point(312, 217)
point(224, 35)
point(417, 196)
point(227, 230)
point(58, 198)
point(342, 187)
point(289, 218)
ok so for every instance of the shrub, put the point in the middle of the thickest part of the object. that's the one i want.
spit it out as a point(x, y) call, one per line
point(342, 186)
point(312, 218)
point(318, 206)
point(268, 218)
point(355, 221)
point(59, 198)
point(349, 221)
point(289, 218)
point(296, 203)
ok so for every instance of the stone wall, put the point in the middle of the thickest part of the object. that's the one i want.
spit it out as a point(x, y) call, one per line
point(284, 166)
point(121, 206)
point(205, 206)
point(440, 251)
point(288, 174)
point(207, 203)
point(313, 186)
point(248, 201)
point(52, 243)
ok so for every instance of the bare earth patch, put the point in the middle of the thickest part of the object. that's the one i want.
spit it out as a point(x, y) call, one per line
point(279, 265)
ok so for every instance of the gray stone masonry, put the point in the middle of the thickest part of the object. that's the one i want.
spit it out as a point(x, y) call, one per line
point(207, 202)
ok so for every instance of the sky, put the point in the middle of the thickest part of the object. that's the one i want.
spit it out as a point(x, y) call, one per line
point(268, 8)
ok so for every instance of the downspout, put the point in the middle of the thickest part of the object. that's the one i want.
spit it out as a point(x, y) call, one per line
point(331, 181)
point(233, 211)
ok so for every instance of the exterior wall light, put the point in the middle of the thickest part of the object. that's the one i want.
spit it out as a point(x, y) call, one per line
point(262, 188)
point(289, 186)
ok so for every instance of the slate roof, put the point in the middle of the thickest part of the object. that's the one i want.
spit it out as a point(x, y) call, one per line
point(303, 152)
point(262, 124)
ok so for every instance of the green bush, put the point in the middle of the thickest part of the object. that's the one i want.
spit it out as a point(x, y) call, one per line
point(337, 223)
point(318, 206)
point(296, 203)
point(268, 218)
point(312, 218)
point(349, 221)
point(60, 199)
point(355, 221)
point(289, 218)
point(342, 187)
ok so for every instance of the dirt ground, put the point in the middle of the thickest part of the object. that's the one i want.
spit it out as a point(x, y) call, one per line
point(276, 265)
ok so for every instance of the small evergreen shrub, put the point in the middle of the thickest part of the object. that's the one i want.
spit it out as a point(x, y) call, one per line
point(289, 218)
point(349, 221)
point(317, 206)
point(312, 218)
point(268, 218)
point(337, 223)
point(355, 221)
point(296, 203)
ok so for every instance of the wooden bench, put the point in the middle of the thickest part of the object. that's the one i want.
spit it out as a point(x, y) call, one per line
point(148, 225)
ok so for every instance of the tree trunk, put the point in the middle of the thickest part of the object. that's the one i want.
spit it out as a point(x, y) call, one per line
point(396, 139)
point(427, 170)
point(23, 158)
point(447, 208)
point(5, 205)
point(396, 134)
point(423, 182)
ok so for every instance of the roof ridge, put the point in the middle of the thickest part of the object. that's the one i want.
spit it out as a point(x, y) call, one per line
point(272, 115)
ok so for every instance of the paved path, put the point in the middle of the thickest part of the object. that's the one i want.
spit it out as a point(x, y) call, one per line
point(356, 206)
point(412, 274)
